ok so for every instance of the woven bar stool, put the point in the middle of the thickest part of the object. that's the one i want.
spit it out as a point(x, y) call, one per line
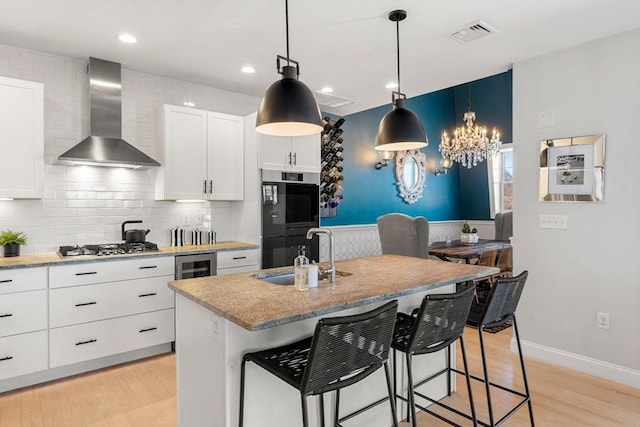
point(497, 311)
point(342, 351)
point(437, 324)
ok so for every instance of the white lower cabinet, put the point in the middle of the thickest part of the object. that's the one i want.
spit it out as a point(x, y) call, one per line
point(23, 354)
point(240, 261)
point(86, 341)
point(23, 312)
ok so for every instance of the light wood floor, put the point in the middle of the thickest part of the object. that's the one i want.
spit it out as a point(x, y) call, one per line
point(143, 394)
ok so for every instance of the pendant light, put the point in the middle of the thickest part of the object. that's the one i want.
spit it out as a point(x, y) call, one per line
point(288, 107)
point(400, 129)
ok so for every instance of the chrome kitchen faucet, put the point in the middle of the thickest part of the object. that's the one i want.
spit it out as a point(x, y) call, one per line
point(332, 260)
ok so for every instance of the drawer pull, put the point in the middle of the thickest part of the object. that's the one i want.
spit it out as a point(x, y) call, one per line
point(87, 273)
point(147, 295)
point(239, 257)
point(86, 342)
point(147, 330)
point(82, 304)
point(6, 281)
point(6, 358)
point(147, 267)
point(6, 315)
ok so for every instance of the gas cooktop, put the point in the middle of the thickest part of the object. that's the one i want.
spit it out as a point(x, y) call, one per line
point(107, 249)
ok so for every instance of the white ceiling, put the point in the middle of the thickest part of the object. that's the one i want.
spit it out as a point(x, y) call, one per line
point(349, 45)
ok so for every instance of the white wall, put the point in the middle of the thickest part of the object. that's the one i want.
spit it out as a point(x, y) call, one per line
point(88, 204)
point(594, 265)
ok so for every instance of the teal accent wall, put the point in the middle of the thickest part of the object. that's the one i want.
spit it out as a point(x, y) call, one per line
point(460, 194)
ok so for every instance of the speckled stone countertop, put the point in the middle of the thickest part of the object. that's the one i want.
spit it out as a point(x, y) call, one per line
point(255, 304)
point(52, 258)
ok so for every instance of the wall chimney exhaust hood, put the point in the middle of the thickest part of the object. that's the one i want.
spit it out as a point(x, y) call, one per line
point(104, 146)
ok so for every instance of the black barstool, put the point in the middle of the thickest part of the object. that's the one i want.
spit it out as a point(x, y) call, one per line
point(437, 324)
point(342, 351)
point(499, 309)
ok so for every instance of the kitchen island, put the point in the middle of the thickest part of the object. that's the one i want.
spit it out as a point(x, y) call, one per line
point(220, 318)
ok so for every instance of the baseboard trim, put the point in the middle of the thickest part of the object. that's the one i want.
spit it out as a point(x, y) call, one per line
point(595, 367)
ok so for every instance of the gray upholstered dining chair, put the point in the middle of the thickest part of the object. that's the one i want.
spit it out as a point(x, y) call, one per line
point(402, 234)
point(504, 225)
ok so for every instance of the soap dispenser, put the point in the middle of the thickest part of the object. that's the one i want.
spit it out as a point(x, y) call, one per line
point(301, 269)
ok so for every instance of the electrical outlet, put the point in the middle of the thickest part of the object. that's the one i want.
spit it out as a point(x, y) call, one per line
point(602, 320)
point(185, 220)
point(216, 330)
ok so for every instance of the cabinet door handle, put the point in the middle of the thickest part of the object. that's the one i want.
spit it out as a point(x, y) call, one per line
point(147, 329)
point(147, 295)
point(239, 257)
point(204, 187)
point(86, 342)
point(87, 273)
point(82, 304)
point(210, 186)
point(6, 315)
point(145, 267)
point(295, 158)
point(6, 358)
point(290, 157)
point(6, 281)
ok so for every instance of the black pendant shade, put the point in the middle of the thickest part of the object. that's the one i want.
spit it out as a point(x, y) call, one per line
point(288, 108)
point(400, 129)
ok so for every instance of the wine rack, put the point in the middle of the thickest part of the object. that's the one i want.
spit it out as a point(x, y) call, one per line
point(331, 174)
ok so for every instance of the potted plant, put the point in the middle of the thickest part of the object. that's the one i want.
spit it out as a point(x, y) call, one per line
point(468, 235)
point(11, 242)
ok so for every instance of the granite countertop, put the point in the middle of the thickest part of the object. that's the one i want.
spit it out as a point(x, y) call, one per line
point(255, 304)
point(52, 258)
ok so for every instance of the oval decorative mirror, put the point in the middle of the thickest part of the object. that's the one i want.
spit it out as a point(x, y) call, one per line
point(411, 169)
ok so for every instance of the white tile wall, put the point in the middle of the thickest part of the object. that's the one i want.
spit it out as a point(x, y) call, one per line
point(88, 204)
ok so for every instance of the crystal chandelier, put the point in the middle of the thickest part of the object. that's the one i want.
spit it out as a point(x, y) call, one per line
point(470, 144)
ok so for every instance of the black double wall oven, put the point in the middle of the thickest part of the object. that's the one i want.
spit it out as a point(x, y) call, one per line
point(290, 207)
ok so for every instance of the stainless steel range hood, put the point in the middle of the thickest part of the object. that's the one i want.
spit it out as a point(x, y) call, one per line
point(105, 146)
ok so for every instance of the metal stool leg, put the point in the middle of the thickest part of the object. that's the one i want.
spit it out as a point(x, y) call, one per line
point(412, 403)
point(392, 399)
point(337, 411)
point(241, 416)
point(468, 379)
point(485, 371)
point(305, 416)
point(524, 373)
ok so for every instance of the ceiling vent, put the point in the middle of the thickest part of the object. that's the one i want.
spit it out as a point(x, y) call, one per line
point(474, 31)
point(329, 100)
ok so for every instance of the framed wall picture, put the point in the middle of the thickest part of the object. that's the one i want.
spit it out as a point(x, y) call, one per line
point(572, 169)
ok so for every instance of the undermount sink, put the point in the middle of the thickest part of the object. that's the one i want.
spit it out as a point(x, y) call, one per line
point(279, 278)
point(286, 277)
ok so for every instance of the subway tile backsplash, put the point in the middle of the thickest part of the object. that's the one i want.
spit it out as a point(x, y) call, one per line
point(88, 204)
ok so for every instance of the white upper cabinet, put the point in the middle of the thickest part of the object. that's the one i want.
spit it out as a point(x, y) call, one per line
point(21, 139)
point(289, 153)
point(203, 155)
point(225, 156)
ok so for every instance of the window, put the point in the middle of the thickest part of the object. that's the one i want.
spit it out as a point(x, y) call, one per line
point(501, 180)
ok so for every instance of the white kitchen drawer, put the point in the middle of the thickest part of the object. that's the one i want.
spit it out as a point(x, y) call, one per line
point(23, 279)
point(23, 312)
point(229, 259)
point(109, 271)
point(68, 306)
point(77, 343)
point(23, 354)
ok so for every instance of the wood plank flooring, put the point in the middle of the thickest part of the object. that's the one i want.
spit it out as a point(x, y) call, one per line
point(142, 394)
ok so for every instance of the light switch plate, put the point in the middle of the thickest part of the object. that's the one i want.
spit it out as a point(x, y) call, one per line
point(553, 221)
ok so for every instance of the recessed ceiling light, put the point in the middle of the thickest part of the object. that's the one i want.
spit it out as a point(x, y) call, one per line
point(391, 85)
point(127, 38)
point(249, 70)
point(326, 90)
point(188, 104)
